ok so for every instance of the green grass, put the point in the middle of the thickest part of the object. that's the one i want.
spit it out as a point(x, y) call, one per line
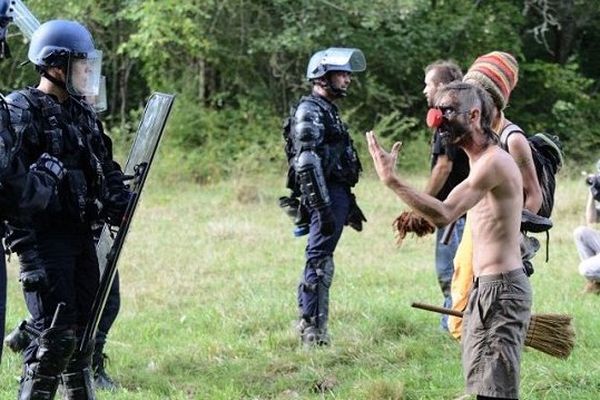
point(208, 304)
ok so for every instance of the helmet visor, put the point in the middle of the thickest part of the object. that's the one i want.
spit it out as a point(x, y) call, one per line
point(351, 60)
point(335, 59)
point(83, 75)
point(99, 102)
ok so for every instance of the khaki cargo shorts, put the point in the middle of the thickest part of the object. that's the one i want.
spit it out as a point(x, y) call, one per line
point(494, 328)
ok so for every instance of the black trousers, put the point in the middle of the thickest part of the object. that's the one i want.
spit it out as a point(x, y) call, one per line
point(71, 265)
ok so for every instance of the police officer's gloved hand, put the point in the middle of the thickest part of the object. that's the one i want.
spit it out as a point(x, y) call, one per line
point(114, 181)
point(326, 221)
point(355, 216)
point(49, 165)
point(33, 274)
point(115, 207)
point(118, 197)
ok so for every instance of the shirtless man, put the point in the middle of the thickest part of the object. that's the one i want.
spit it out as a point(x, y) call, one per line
point(499, 306)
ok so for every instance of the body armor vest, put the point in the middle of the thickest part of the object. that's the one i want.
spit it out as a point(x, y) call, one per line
point(69, 131)
point(339, 158)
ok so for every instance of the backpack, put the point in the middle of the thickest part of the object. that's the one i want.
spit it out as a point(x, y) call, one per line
point(546, 151)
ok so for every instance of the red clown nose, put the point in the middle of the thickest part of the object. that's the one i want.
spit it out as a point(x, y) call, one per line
point(434, 117)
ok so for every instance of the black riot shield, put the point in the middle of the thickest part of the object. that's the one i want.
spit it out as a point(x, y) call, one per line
point(138, 164)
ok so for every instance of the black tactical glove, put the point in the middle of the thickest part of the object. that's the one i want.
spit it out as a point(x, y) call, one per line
point(289, 205)
point(49, 165)
point(355, 217)
point(118, 197)
point(326, 221)
point(114, 180)
point(33, 274)
point(115, 207)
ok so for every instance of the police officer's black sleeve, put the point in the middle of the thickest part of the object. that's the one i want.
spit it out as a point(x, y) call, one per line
point(308, 136)
point(24, 190)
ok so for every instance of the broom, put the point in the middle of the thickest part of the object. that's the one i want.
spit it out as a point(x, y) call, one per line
point(552, 334)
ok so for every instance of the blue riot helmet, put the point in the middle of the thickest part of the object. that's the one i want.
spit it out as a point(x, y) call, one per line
point(335, 59)
point(69, 46)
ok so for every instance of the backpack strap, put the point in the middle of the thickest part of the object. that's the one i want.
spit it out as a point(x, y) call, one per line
point(506, 132)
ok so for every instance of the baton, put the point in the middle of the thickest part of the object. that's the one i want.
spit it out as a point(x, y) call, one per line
point(24, 326)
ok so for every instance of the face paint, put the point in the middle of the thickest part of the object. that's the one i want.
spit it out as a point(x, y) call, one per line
point(444, 120)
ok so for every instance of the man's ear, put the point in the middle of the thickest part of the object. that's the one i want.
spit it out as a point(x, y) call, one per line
point(58, 73)
point(474, 115)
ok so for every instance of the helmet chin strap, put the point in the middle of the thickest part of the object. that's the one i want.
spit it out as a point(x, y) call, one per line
point(335, 91)
point(55, 81)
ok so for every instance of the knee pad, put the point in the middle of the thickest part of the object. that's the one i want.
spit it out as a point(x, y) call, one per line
point(56, 345)
point(41, 377)
point(81, 358)
point(324, 268)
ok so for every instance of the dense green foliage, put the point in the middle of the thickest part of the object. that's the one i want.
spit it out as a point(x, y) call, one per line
point(238, 65)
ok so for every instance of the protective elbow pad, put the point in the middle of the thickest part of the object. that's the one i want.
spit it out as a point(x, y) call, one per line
point(312, 181)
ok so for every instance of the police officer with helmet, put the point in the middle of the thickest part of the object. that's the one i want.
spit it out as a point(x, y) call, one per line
point(325, 167)
point(54, 118)
point(23, 190)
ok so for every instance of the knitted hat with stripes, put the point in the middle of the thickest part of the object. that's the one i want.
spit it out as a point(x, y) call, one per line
point(498, 73)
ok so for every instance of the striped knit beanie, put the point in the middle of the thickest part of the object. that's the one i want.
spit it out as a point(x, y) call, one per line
point(497, 72)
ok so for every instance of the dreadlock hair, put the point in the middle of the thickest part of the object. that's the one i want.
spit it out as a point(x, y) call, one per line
point(446, 71)
point(488, 112)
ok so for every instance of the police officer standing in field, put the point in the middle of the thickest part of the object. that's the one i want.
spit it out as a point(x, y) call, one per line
point(325, 167)
point(22, 191)
point(54, 118)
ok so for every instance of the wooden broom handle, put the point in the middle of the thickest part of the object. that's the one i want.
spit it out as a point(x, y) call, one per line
point(436, 309)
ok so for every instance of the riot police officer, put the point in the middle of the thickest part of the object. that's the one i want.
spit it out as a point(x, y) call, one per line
point(54, 118)
point(22, 191)
point(325, 167)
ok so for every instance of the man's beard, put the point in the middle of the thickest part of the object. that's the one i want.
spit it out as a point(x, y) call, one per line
point(454, 133)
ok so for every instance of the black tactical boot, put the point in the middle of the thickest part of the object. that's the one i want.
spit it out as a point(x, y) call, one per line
point(102, 381)
point(17, 340)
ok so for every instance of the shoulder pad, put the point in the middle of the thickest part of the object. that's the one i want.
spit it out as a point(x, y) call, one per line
point(20, 111)
point(308, 111)
point(18, 100)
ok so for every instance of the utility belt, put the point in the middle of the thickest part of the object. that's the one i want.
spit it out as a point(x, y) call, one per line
point(341, 164)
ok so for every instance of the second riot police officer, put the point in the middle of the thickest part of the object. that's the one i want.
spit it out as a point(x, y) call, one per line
point(54, 118)
point(324, 168)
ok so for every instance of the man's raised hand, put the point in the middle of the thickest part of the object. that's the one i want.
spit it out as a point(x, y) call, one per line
point(385, 163)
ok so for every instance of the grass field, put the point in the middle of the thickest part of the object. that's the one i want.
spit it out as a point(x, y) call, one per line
point(208, 284)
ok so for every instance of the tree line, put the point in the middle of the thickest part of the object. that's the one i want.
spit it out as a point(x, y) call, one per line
point(238, 65)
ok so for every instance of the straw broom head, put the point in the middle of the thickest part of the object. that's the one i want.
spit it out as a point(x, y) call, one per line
point(552, 334)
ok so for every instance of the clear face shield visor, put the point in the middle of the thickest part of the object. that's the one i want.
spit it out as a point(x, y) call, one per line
point(84, 75)
point(99, 102)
